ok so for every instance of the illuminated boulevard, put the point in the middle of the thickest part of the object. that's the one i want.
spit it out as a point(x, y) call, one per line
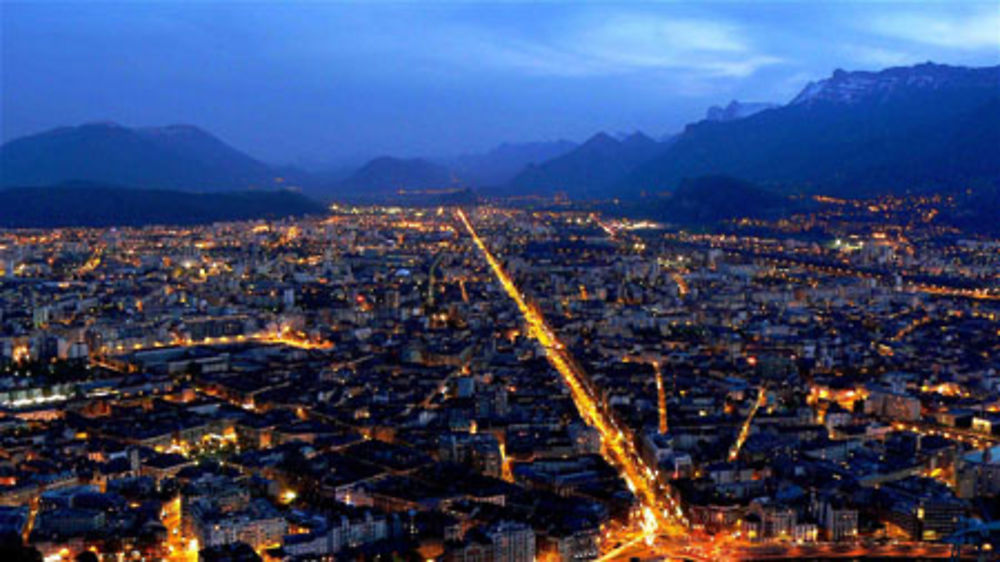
point(660, 513)
point(745, 429)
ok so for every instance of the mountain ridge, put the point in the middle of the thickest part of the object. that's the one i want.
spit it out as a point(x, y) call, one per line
point(851, 86)
point(86, 204)
point(889, 135)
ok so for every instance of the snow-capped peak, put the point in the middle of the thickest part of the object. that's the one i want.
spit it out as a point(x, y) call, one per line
point(852, 87)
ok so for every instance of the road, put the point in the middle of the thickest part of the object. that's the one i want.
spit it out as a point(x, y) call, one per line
point(967, 436)
point(660, 513)
point(287, 337)
point(179, 547)
point(661, 398)
point(734, 452)
point(93, 262)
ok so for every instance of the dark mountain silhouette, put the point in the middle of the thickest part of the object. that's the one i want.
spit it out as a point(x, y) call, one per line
point(589, 170)
point(708, 199)
point(500, 165)
point(913, 128)
point(98, 205)
point(386, 176)
point(977, 210)
point(174, 157)
point(856, 133)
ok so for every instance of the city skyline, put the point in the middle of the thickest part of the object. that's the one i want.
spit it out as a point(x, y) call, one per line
point(457, 381)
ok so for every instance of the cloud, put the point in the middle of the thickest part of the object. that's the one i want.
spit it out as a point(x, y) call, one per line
point(605, 45)
point(973, 29)
point(644, 42)
point(878, 56)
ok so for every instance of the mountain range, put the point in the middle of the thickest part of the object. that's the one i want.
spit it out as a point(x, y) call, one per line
point(188, 158)
point(856, 133)
point(927, 126)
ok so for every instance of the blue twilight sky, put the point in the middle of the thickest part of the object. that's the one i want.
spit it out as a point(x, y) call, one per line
point(316, 82)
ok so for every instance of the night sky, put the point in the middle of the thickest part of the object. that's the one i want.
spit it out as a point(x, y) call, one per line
point(317, 83)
